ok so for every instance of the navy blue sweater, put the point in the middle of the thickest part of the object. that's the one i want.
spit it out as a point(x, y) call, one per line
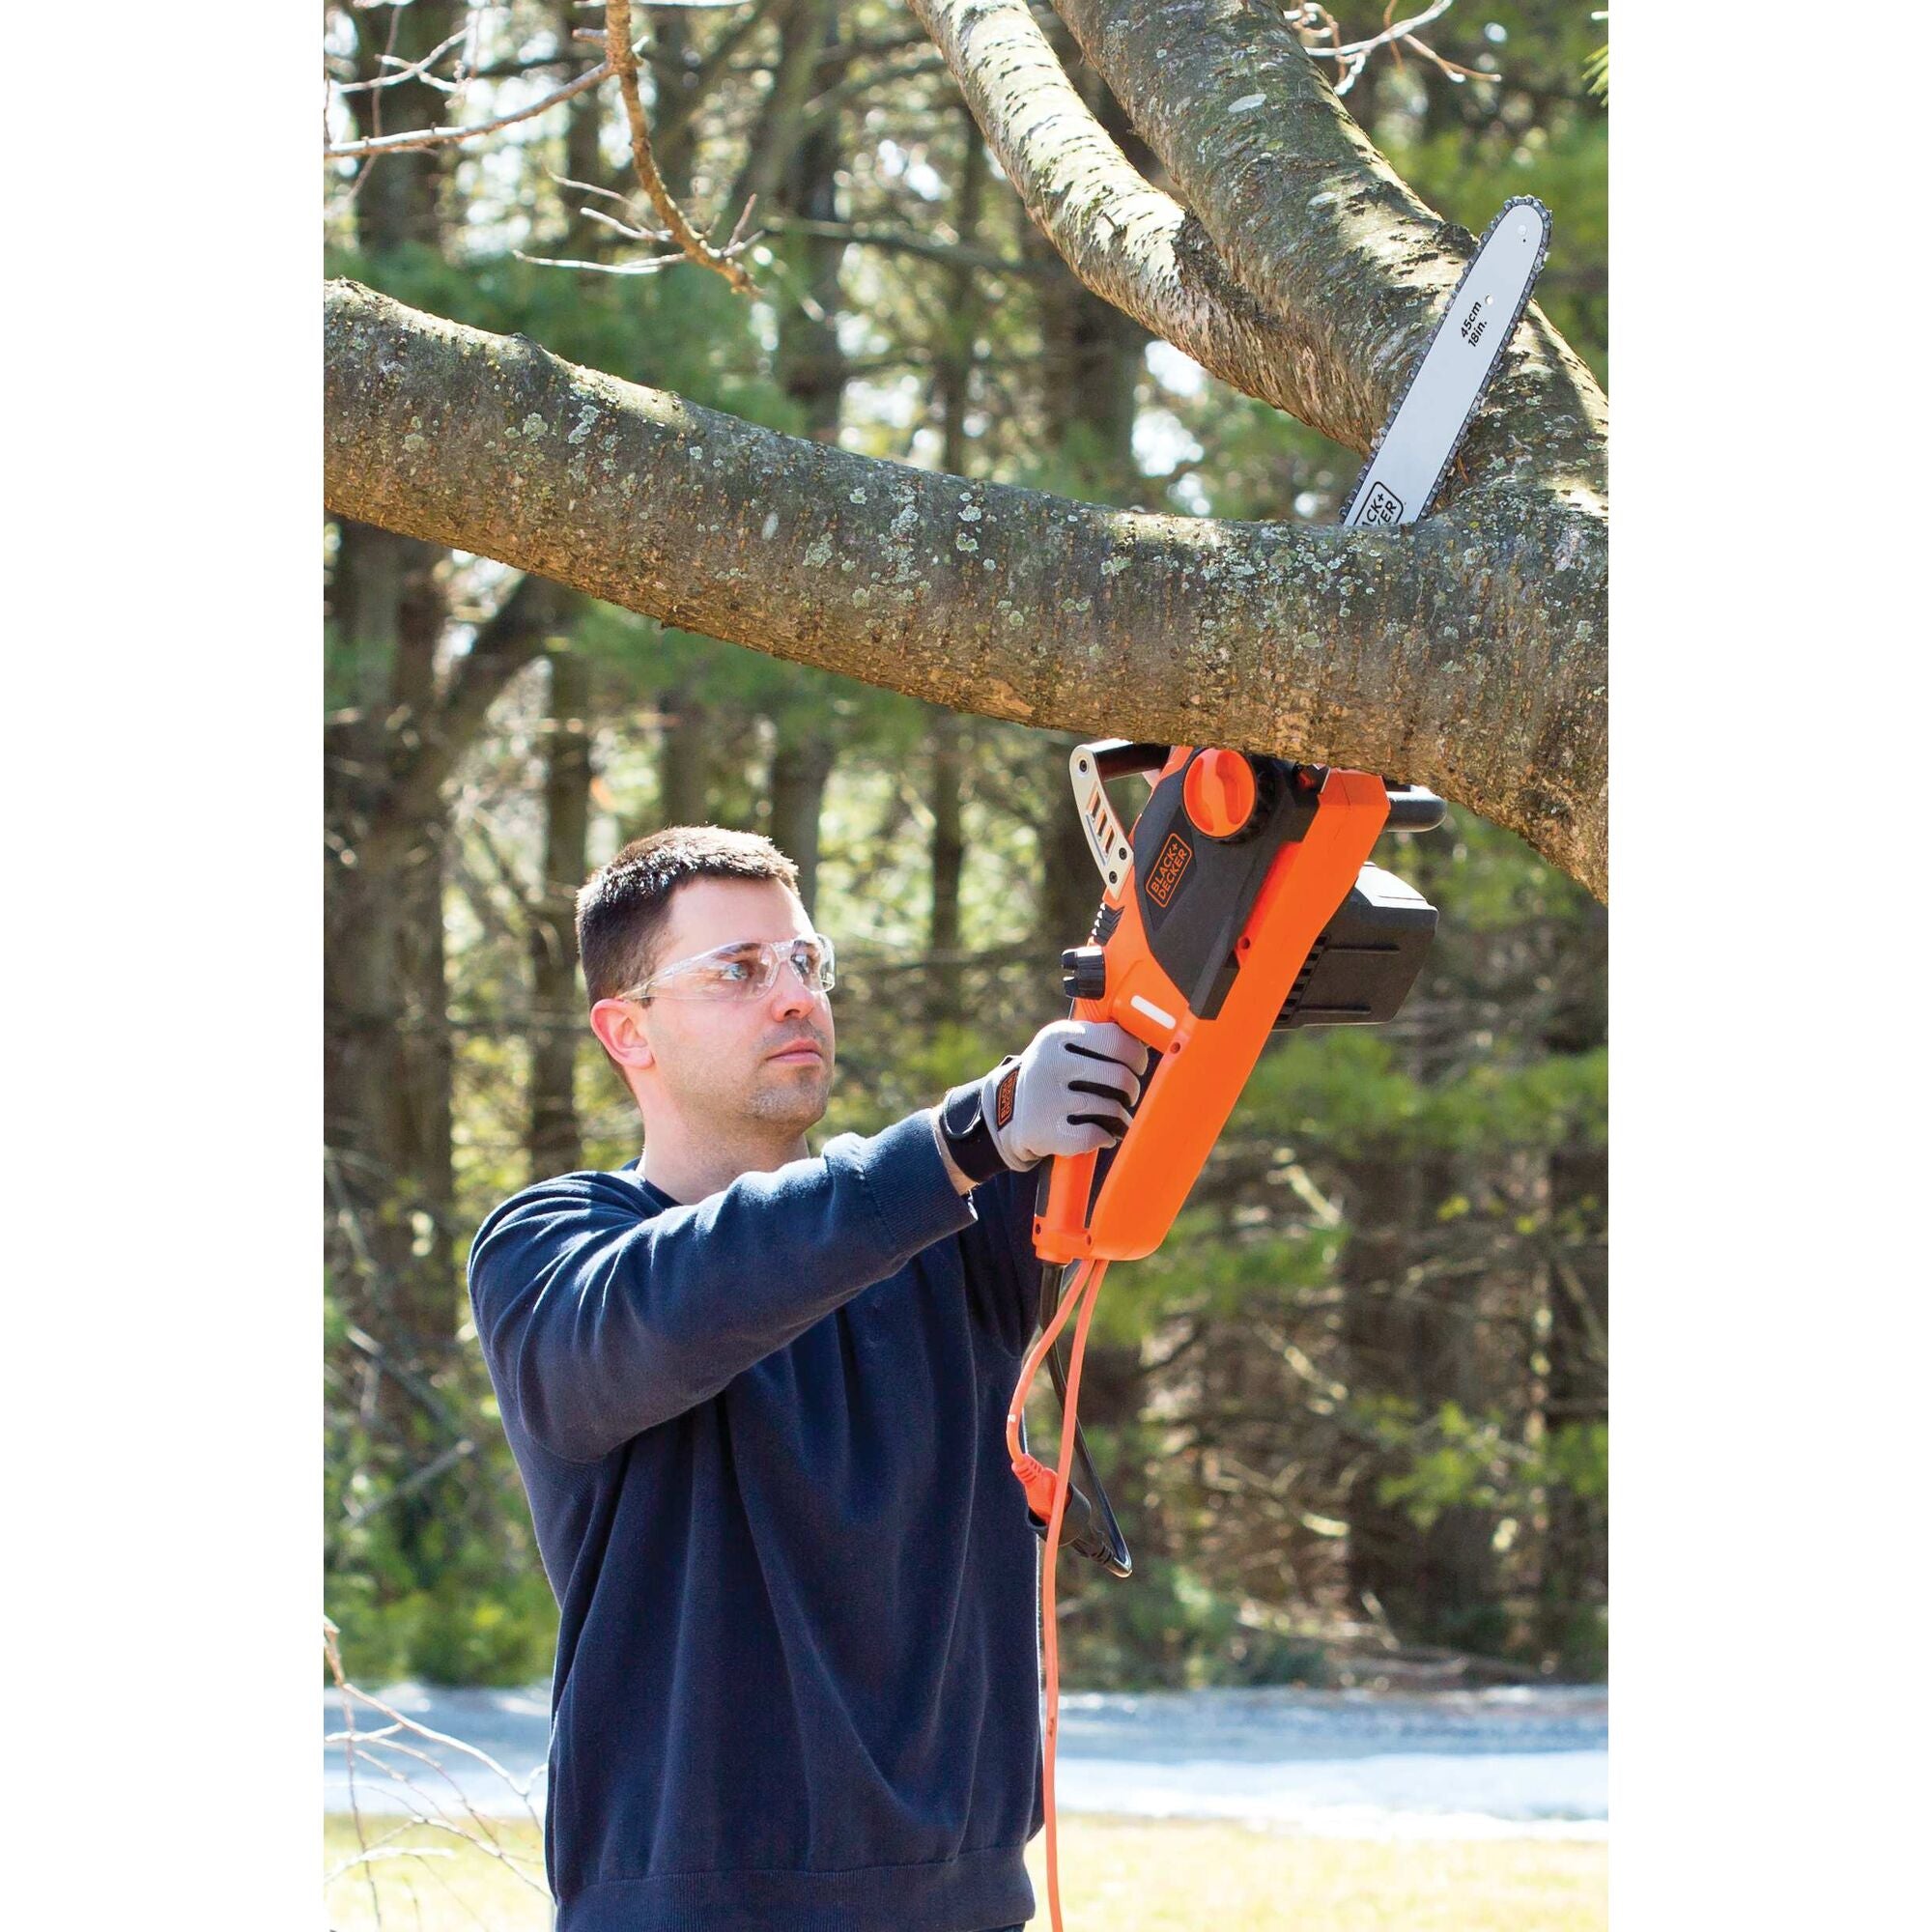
point(763, 1440)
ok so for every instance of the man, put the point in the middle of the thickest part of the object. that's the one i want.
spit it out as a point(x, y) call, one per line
point(758, 1399)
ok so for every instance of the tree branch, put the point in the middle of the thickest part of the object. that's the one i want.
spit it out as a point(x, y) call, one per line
point(907, 242)
point(444, 137)
point(1131, 244)
point(1311, 219)
point(624, 64)
point(1466, 653)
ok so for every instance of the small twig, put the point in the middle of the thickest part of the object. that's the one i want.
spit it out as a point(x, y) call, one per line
point(1452, 68)
point(624, 228)
point(376, 1851)
point(419, 1795)
point(587, 187)
point(402, 72)
point(400, 1720)
point(906, 241)
point(590, 187)
point(649, 266)
point(334, 1654)
point(1315, 24)
point(444, 137)
point(622, 60)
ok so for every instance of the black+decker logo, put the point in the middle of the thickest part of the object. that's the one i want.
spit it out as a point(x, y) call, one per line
point(1167, 869)
point(1384, 509)
point(1003, 1098)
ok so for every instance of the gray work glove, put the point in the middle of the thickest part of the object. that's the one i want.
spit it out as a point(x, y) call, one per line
point(1075, 1085)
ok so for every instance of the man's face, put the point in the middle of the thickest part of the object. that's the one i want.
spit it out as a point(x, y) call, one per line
point(730, 1062)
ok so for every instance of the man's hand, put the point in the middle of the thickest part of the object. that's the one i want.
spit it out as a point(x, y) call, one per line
point(1069, 1093)
point(1075, 1084)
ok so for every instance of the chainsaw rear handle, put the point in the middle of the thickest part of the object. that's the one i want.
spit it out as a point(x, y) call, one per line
point(1118, 757)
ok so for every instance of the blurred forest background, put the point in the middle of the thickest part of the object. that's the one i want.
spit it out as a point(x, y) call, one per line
point(1353, 1413)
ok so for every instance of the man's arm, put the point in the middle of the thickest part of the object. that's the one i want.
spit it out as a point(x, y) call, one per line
point(599, 1320)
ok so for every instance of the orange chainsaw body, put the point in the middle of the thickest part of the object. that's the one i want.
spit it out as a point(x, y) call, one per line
point(1256, 928)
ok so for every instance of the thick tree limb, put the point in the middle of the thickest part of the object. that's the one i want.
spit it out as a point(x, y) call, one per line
point(1466, 652)
point(1131, 244)
point(1323, 233)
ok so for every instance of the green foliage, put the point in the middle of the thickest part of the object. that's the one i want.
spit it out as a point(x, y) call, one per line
point(1346, 1087)
point(1451, 1459)
point(472, 1623)
point(1597, 67)
point(1578, 1458)
point(1456, 1461)
point(687, 334)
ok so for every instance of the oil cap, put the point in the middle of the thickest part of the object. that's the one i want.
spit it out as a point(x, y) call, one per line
point(1220, 793)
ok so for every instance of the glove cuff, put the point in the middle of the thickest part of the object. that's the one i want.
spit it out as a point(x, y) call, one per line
point(972, 1118)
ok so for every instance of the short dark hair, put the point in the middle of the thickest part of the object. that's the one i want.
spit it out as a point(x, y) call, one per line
point(623, 908)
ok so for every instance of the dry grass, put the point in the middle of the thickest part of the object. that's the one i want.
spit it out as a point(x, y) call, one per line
point(1123, 1875)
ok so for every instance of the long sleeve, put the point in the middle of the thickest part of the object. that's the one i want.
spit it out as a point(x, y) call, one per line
point(601, 1316)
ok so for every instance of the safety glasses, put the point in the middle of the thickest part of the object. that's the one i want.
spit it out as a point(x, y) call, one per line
point(741, 970)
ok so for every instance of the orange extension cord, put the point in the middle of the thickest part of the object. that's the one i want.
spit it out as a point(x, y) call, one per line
point(1046, 1497)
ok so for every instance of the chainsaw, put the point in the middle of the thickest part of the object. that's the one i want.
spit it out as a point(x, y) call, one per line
point(1243, 902)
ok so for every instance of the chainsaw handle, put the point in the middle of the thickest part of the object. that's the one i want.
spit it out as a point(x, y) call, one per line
point(1117, 757)
point(1060, 1229)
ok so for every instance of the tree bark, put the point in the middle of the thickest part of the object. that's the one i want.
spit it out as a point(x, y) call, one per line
point(959, 325)
point(946, 851)
point(801, 767)
point(387, 1050)
point(1573, 1584)
point(386, 1064)
point(398, 198)
point(555, 1141)
point(806, 29)
point(1466, 652)
point(684, 759)
point(1435, 1583)
point(811, 364)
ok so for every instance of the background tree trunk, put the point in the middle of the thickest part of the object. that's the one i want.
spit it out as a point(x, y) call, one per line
point(1574, 1585)
point(557, 1017)
point(684, 759)
point(958, 323)
point(387, 1053)
point(800, 764)
point(946, 788)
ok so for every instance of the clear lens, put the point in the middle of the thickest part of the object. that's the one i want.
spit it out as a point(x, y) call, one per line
point(743, 970)
point(811, 959)
point(732, 973)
